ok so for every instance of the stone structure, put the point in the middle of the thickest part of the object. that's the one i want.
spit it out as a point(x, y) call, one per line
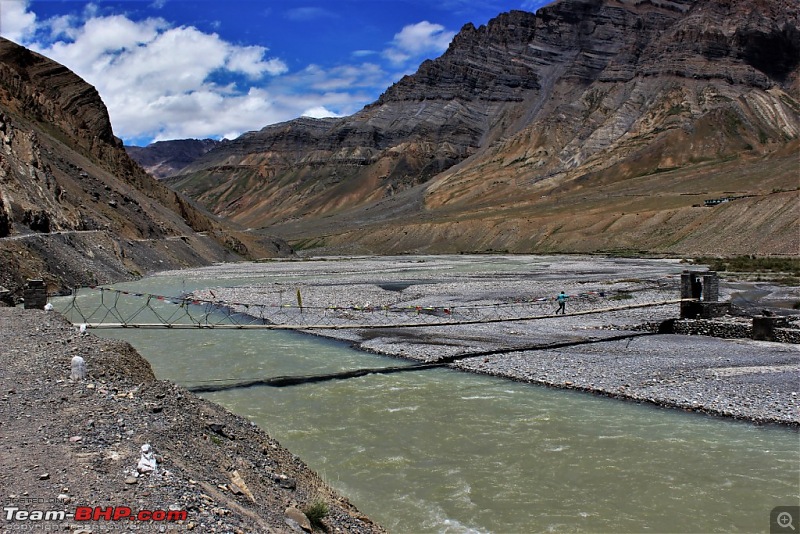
point(703, 286)
point(778, 329)
point(35, 295)
point(710, 287)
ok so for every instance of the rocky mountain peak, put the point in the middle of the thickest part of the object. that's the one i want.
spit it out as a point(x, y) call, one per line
point(50, 92)
point(580, 95)
point(74, 208)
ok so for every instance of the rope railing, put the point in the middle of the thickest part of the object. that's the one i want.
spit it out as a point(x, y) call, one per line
point(107, 307)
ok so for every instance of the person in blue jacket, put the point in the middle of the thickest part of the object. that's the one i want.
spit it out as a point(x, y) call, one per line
point(562, 303)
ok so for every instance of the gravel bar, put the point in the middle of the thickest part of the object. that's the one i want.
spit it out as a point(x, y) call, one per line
point(611, 354)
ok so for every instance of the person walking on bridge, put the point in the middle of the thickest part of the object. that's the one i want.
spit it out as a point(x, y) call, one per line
point(562, 303)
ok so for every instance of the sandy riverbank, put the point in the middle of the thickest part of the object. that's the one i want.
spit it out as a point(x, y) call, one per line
point(69, 444)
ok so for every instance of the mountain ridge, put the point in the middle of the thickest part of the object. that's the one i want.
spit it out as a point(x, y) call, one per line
point(74, 208)
point(164, 158)
point(584, 94)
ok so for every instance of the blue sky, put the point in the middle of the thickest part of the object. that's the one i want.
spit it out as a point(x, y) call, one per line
point(175, 69)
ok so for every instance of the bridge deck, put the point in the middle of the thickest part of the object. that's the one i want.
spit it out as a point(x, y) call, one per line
point(362, 326)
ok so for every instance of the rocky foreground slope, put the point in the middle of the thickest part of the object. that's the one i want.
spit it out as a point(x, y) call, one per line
point(74, 208)
point(69, 444)
point(590, 125)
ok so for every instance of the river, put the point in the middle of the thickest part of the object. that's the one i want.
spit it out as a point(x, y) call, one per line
point(445, 451)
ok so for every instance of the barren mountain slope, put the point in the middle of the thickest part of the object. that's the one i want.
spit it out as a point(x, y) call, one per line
point(538, 132)
point(165, 158)
point(74, 208)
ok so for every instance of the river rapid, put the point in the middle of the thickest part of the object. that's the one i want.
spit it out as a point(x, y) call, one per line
point(440, 450)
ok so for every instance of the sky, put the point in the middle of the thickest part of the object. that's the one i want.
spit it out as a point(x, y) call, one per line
point(180, 69)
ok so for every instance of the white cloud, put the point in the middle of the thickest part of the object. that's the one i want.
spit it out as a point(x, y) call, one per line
point(319, 112)
point(206, 114)
point(416, 40)
point(161, 81)
point(342, 90)
point(339, 78)
point(165, 82)
point(16, 22)
point(248, 60)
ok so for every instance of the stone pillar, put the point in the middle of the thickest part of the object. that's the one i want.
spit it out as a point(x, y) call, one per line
point(35, 295)
point(689, 310)
point(711, 287)
point(686, 285)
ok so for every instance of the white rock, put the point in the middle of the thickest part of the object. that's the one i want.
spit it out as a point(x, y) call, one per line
point(147, 462)
point(78, 368)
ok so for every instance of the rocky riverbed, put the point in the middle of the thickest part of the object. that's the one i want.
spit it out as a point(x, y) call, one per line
point(616, 353)
point(68, 444)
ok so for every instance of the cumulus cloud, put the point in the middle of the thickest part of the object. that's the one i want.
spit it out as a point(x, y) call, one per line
point(115, 53)
point(210, 114)
point(319, 112)
point(16, 22)
point(248, 60)
point(341, 90)
point(416, 40)
point(162, 81)
point(157, 80)
point(339, 78)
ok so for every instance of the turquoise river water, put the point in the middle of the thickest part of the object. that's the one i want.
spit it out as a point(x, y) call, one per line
point(446, 451)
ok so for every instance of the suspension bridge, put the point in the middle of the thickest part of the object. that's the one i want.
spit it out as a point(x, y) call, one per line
point(107, 307)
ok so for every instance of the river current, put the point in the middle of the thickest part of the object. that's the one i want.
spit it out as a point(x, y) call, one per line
point(445, 451)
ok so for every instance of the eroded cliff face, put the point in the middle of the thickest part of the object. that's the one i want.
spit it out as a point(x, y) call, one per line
point(652, 87)
point(63, 173)
point(578, 101)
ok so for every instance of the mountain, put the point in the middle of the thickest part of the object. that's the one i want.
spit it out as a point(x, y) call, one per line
point(74, 208)
point(592, 125)
point(165, 158)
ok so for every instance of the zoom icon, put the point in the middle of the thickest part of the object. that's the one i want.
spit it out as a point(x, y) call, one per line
point(783, 519)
